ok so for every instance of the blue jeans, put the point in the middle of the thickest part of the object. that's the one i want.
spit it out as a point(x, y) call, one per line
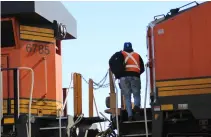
point(128, 86)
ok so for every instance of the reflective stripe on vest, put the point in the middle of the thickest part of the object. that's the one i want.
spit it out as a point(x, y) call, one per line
point(132, 61)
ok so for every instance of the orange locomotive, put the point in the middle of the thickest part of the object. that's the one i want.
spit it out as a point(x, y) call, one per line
point(31, 40)
point(32, 45)
point(31, 66)
point(180, 76)
point(35, 48)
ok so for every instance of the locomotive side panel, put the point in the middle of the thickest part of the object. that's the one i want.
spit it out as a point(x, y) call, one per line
point(200, 40)
point(38, 54)
point(32, 47)
point(182, 68)
point(183, 61)
point(10, 59)
point(38, 51)
point(172, 48)
point(182, 45)
point(58, 73)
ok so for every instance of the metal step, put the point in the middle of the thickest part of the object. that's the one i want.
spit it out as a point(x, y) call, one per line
point(138, 116)
point(135, 128)
point(139, 121)
point(137, 135)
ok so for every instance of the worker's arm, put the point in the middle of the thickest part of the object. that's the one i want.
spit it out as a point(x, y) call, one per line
point(141, 65)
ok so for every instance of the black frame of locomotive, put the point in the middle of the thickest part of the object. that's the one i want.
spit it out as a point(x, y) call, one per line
point(16, 98)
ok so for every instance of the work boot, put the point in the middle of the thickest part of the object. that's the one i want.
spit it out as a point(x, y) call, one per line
point(130, 118)
point(136, 109)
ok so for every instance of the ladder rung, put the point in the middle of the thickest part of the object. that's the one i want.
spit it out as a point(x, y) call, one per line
point(132, 135)
point(140, 121)
point(50, 128)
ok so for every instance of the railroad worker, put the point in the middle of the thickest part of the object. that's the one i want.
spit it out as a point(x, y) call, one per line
point(130, 81)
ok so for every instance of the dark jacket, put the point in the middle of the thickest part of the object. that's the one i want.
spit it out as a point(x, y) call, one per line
point(130, 73)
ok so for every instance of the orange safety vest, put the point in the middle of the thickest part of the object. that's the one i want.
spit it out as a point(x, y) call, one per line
point(132, 61)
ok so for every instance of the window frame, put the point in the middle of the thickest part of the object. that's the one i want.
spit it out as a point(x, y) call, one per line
point(14, 33)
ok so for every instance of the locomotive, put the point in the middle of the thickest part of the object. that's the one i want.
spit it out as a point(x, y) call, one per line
point(32, 96)
point(178, 77)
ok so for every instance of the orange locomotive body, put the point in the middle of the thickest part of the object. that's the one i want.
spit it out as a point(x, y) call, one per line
point(31, 63)
point(31, 93)
point(182, 46)
point(183, 42)
point(36, 48)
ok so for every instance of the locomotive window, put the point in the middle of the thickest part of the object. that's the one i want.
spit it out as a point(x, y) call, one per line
point(7, 34)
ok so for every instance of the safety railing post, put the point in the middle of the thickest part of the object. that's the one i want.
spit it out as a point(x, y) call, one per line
point(77, 87)
point(75, 93)
point(64, 101)
point(79, 94)
point(90, 98)
point(112, 93)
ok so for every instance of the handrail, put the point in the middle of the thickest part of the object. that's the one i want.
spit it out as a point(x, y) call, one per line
point(151, 25)
point(65, 101)
point(159, 16)
point(31, 97)
point(16, 88)
point(60, 122)
point(145, 98)
point(178, 9)
point(117, 119)
point(145, 113)
point(46, 76)
point(18, 94)
point(97, 112)
point(189, 4)
point(63, 107)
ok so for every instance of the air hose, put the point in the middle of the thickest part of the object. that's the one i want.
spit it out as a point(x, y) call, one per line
point(76, 122)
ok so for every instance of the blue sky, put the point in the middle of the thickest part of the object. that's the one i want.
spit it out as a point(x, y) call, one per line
point(102, 29)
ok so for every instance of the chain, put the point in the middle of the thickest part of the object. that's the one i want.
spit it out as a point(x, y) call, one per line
point(103, 79)
point(85, 80)
point(100, 84)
